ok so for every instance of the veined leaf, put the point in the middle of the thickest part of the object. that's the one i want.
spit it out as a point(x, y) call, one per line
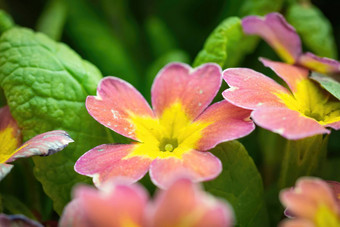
point(46, 84)
point(240, 184)
point(314, 29)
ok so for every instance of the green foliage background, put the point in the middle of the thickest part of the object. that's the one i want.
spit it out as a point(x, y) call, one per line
point(45, 78)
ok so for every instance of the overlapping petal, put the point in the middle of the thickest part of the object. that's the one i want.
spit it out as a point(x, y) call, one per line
point(198, 166)
point(280, 35)
point(107, 161)
point(184, 204)
point(194, 89)
point(319, 64)
point(227, 122)
point(116, 102)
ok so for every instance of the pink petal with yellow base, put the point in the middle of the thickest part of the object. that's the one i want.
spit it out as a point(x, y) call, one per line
point(319, 64)
point(289, 73)
point(197, 165)
point(194, 89)
point(280, 35)
point(116, 205)
point(229, 122)
point(250, 89)
point(288, 123)
point(108, 161)
point(185, 204)
point(116, 102)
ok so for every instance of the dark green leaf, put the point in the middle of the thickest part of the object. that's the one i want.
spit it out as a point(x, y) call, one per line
point(314, 29)
point(12, 205)
point(328, 83)
point(46, 84)
point(240, 183)
point(260, 7)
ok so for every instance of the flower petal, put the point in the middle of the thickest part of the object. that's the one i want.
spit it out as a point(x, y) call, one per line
point(74, 215)
point(185, 204)
point(196, 165)
point(117, 205)
point(18, 220)
point(193, 88)
point(227, 122)
point(289, 73)
point(280, 35)
point(4, 170)
point(250, 89)
point(319, 64)
point(114, 104)
point(43, 144)
point(288, 123)
point(10, 136)
point(107, 161)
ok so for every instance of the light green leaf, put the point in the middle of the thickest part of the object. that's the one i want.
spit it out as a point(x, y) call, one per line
point(240, 184)
point(328, 83)
point(226, 45)
point(314, 29)
point(46, 84)
point(6, 21)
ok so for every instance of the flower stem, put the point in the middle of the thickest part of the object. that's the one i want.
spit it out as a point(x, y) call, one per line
point(302, 158)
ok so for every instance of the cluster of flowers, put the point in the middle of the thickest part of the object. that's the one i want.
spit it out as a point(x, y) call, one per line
point(172, 139)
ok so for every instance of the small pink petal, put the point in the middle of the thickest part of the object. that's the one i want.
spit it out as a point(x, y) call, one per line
point(17, 221)
point(117, 205)
point(296, 223)
point(74, 215)
point(44, 144)
point(114, 104)
point(196, 165)
point(186, 203)
point(319, 64)
point(4, 170)
point(227, 122)
point(193, 88)
point(289, 73)
point(275, 30)
point(107, 161)
point(288, 123)
point(334, 125)
point(250, 89)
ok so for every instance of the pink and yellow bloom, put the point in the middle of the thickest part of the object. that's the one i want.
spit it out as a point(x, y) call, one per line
point(10, 138)
point(173, 137)
point(303, 110)
point(119, 205)
point(282, 37)
point(312, 203)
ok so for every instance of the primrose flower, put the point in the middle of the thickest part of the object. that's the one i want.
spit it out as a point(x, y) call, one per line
point(119, 205)
point(303, 110)
point(312, 203)
point(173, 136)
point(282, 37)
point(10, 138)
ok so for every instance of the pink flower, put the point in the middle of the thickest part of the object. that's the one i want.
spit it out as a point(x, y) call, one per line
point(312, 203)
point(10, 138)
point(117, 204)
point(301, 111)
point(283, 38)
point(173, 137)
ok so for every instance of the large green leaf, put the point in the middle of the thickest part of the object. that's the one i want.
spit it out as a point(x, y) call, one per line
point(314, 29)
point(46, 84)
point(239, 183)
point(226, 45)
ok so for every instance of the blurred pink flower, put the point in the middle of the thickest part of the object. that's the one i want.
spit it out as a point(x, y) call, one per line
point(173, 137)
point(312, 203)
point(120, 205)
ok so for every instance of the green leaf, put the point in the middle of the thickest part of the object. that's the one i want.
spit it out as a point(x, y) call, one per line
point(328, 83)
point(46, 84)
point(226, 45)
point(13, 205)
point(6, 21)
point(92, 35)
point(260, 7)
point(239, 183)
point(52, 20)
point(314, 29)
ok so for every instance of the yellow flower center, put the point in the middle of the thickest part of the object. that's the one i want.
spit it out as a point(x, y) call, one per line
point(313, 102)
point(171, 135)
